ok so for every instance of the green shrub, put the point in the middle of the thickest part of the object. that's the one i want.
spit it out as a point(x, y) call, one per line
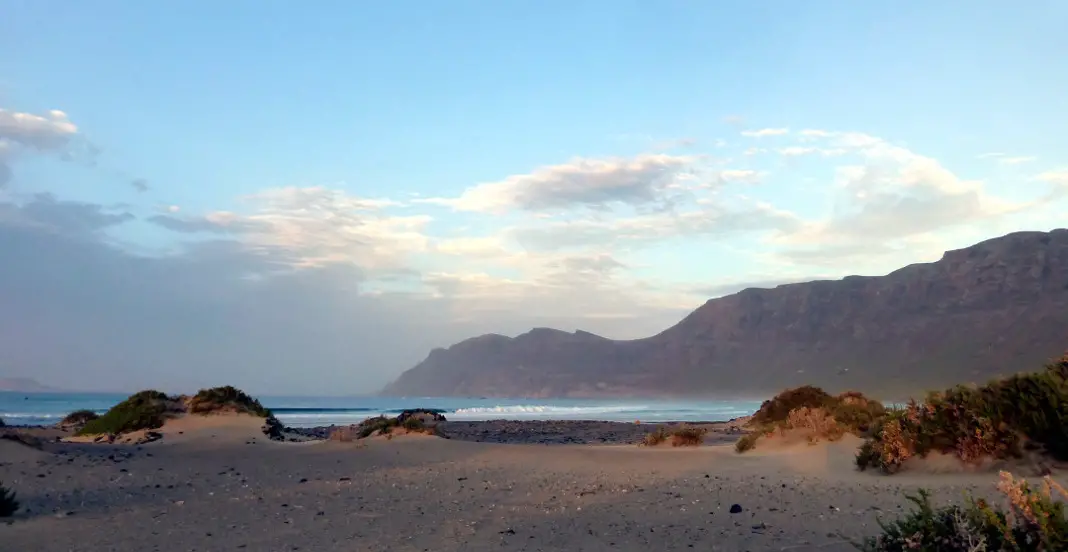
point(79, 417)
point(377, 424)
point(227, 398)
point(142, 410)
point(747, 442)
point(414, 424)
point(8, 504)
point(1034, 521)
point(997, 420)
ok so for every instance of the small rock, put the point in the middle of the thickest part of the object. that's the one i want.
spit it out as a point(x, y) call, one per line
point(736, 508)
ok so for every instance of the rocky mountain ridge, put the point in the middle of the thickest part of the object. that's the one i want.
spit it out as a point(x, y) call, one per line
point(995, 308)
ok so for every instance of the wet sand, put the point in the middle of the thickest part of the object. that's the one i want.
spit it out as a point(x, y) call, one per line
point(226, 487)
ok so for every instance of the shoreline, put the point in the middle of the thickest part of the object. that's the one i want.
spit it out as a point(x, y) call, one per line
point(502, 431)
point(576, 432)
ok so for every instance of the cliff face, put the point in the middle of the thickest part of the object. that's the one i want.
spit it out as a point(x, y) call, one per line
point(995, 308)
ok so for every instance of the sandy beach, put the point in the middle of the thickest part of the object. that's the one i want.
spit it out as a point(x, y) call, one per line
point(219, 484)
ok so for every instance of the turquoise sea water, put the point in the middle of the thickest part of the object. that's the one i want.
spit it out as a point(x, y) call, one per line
point(48, 408)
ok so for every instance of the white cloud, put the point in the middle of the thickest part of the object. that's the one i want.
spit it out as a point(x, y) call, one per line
point(26, 132)
point(766, 132)
point(50, 131)
point(579, 183)
point(1006, 159)
point(797, 151)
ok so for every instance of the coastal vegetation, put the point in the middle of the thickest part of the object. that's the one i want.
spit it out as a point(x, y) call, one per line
point(411, 421)
point(1033, 520)
point(814, 413)
point(8, 504)
point(226, 399)
point(149, 409)
point(142, 410)
point(682, 436)
point(999, 420)
point(78, 418)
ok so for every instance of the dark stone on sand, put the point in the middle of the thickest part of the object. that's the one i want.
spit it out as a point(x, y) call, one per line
point(273, 429)
point(148, 437)
point(736, 508)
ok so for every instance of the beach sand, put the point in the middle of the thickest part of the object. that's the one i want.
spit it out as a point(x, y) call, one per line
point(220, 485)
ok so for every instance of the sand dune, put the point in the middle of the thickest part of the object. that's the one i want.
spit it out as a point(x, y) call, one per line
point(217, 484)
point(225, 427)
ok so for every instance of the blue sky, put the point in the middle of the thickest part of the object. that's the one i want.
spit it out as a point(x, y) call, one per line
point(603, 165)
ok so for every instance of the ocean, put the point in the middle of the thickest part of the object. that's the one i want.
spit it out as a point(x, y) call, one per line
point(48, 408)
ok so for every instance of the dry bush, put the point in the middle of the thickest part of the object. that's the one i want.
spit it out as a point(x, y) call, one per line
point(776, 409)
point(688, 436)
point(997, 420)
point(654, 438)
point(817, 423)
point(814, 410)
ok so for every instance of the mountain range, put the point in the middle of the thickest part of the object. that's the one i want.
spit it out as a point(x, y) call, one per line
point(995, 308)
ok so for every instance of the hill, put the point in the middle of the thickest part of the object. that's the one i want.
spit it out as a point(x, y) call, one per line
point(978, 313)
point(24, 385)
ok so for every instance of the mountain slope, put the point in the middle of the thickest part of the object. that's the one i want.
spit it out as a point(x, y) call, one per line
point(994, 308)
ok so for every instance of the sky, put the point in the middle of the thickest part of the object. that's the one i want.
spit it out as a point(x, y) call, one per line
point(306, 198)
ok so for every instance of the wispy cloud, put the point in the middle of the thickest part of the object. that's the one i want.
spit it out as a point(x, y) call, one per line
point(766, 132)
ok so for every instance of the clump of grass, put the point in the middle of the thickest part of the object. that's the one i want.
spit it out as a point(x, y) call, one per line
point(816, 413)
point(226, 399)
point(8, 504)
point(1034, 521)
point(79, 418)
point(654, 438)
point(747, 442)
point(998, 420)
point(142, 410)
point(688, 436)
point(380, 425)
point(680, 436)
point(413, 424)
